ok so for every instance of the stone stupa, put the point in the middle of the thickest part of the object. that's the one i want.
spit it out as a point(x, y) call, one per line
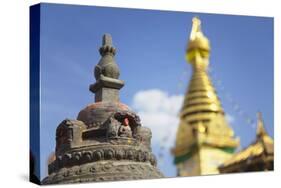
point(107, 141)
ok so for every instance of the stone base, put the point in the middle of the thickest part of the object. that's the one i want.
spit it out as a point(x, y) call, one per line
point(104, 171)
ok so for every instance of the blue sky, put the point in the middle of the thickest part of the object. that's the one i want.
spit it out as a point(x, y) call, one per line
point(150, 54)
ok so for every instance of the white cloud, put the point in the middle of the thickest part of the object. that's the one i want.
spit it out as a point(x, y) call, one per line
point(159, 111)
point(230, 119)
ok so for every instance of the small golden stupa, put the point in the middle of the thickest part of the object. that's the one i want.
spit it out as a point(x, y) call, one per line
point(258, 156)
point(204, 138)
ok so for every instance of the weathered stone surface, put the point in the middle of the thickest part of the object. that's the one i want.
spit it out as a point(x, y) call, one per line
point(104, 171)
point(107, 141)
point(94, 115)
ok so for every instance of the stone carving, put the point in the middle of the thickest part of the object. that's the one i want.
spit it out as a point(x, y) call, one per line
point(112, 127)
point(107, 66)
point(95, 172)
point(122, 124)
point(107, 141)
point(98, 155)
point(118, 153)
point(125, 129)
point(68, 133)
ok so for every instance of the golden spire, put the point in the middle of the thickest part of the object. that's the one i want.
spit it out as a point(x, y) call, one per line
point(201, 95)
point(261, 133)
point(203, 130)
point(260, 125)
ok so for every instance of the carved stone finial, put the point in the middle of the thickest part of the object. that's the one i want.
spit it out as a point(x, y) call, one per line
point(107, 40)
point(107, 47)
point(106, 72)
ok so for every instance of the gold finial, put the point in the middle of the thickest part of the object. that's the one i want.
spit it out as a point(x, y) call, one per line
point(198, 45)
point(196, 29)
point(197, 39)
point(260, 125)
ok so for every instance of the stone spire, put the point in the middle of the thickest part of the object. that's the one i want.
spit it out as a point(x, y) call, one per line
point(203, 129)
point(106, 72)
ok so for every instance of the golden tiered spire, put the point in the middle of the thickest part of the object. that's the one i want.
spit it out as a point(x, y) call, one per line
point(201, 94)
point(204, 138)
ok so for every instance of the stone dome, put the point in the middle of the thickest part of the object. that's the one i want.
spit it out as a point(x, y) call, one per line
point(97, 113)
